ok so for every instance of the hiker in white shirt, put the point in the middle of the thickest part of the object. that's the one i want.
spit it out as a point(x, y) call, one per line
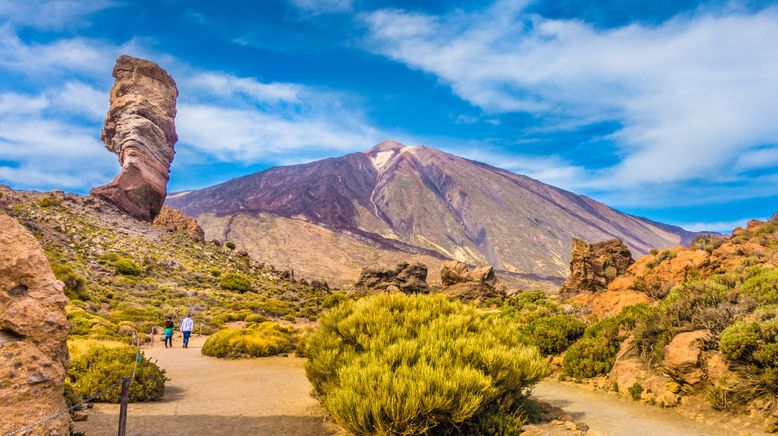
point(186, 329)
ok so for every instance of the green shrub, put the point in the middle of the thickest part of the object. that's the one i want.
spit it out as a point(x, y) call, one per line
point(553, 334)
point(127, 267)
point(528, 306)
point(595, 353)
point(762, 285)
point(100, 366)
point(636, 390)
point(235, 282)
point(398, 364)
point(75, 283)
point(256, 340)
point(698, 304)
point(230, 245)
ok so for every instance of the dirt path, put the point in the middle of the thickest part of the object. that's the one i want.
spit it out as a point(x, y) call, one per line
point(205, 395)
point(610, 415)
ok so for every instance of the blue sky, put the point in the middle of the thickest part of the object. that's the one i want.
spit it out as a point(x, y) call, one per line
point(666, 109)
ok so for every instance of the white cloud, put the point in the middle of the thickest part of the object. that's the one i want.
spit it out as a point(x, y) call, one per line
point(58, 58)
point(50, 14)
point(693, 94)
point(47, 150)
point(718, 226)
point(323, 6)
point(240, 119)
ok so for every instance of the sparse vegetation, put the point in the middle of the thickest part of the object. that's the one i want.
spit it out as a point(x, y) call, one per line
point(396, 364)
point(635, 391)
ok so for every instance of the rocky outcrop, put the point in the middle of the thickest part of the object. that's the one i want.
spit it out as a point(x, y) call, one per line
point(461, 282)
point(140, 129)
point(453, 272)
point(407, 278)
point(33, 333)
point(593, 266)
point(610, 303)
point(175, 221)
point(629, 369)
point(682, 360)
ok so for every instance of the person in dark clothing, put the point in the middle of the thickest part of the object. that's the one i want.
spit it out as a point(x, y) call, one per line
point(169, 332)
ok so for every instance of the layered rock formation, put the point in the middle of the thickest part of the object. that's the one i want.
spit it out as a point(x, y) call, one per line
point(461, 282)
point(140, 129)
point(175, 221)
point(594, 266)
point(33, 333)
point(407, 278)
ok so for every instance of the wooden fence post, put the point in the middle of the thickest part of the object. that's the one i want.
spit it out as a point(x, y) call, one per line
point(123, 406)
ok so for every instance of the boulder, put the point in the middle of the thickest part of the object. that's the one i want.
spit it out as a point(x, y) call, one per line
point(461, 282)
point(682, 357)
point(175, 221)
point(407, 278)
point(628, 369)
point(453, 272)
point(33, 334)
point(140, 130)
point(593, 266)
point(717, 369)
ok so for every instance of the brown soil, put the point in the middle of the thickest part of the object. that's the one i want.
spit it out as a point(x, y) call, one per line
point(205, 395)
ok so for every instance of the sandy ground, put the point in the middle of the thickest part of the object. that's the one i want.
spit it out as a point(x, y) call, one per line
point(610, 415)
point(209, 396)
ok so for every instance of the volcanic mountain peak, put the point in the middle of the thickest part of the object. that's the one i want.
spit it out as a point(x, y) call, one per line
point(416, 200)
point(385, 152)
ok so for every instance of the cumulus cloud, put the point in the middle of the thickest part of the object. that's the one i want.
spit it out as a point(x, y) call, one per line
point(41, 148)
point(693, 95)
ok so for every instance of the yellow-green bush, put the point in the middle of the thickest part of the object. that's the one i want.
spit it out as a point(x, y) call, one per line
point(256, 340)
point(127, 267)
point(398, 364)
point(75, 283)
point(235, 282)
point(100, 366)
point(752, 346)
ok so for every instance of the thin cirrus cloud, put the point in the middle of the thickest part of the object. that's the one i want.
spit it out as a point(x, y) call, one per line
point(323, 6)
point(693, 95)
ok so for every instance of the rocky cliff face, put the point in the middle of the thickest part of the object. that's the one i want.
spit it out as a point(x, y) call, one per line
point(424, 201)
point(594, 266)
point(33, 333)
point(140, 130)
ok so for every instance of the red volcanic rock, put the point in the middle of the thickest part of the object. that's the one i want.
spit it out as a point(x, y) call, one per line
point(593, 266)
point(33, 334)
point(140, 129)
point(175, 221)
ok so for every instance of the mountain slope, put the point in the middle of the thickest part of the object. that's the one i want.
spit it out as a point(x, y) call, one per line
point(425, 202)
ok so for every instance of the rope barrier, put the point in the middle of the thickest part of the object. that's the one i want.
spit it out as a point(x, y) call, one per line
point(138, 358)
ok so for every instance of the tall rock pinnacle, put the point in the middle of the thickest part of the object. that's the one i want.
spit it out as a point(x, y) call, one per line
point(140, 129)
